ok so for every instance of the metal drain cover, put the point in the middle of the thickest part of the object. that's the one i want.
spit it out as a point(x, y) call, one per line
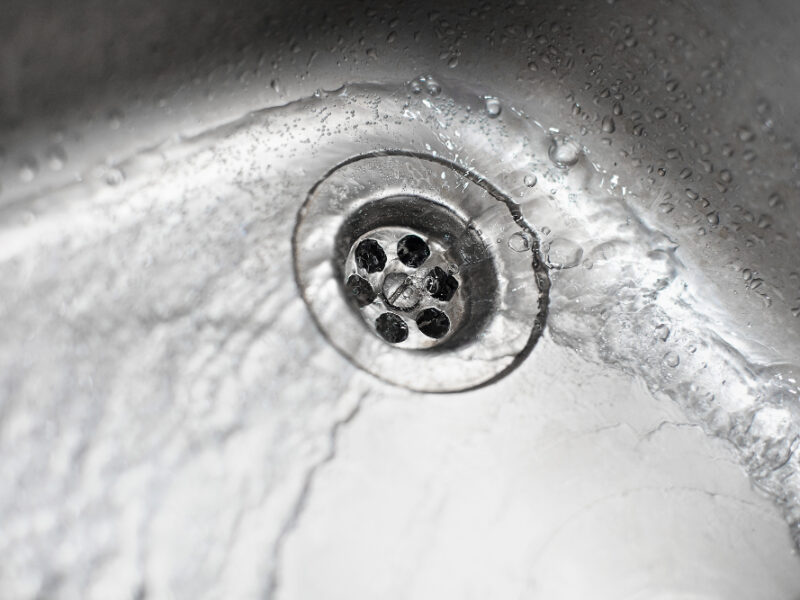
point(420, 272)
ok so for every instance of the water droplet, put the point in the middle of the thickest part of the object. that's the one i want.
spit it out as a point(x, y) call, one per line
point(275, 85)
point(608, 124)
point(745, 133)
point(114, 176)
point(725, 176)
point(432, 87)
point(115, 117)
point(662, 332)
point(563, 253)
point(617, 109)
point(672, 85)
point(530, 180)
point(685, 173)
point(713, 218)
point(28, 168)
point(671, 359)
point(533, 66)
point(56, 158)
point(520, 241)
point(563, 152)
point(659, 113)
point(493, 106)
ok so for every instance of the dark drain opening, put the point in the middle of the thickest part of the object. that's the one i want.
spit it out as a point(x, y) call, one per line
point(361, 291)
point(391, 328)
point(433, 323)
point(412, 251)
point(440, 284)
point(370, 256)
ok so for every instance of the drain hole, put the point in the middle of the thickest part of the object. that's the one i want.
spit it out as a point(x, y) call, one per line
point(440, 284)
point(433, 323)
point(370, 256)
point(361, 291)
point(412, 251)
point(392, 328)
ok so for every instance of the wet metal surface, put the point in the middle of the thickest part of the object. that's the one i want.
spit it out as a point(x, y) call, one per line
point(173, 423)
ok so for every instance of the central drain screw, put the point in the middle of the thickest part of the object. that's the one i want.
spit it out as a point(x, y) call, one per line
point(400, 291)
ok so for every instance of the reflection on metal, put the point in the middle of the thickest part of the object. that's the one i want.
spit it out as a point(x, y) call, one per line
point(174, 425)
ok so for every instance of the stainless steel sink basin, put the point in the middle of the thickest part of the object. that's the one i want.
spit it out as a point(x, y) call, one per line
point(194, 401)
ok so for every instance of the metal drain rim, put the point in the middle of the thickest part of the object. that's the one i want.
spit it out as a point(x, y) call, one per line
point(538, 272)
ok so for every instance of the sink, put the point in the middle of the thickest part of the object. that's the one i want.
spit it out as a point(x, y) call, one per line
point(208, 212)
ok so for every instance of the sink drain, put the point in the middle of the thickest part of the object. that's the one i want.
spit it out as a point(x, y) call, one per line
point(407, 279)
point(420, 272)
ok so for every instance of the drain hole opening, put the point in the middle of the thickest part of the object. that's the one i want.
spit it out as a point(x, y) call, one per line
point(370, 256)
point(412, 251)
point(391, 328)
point(440, 284)
point(433, 323)
point(361, 291)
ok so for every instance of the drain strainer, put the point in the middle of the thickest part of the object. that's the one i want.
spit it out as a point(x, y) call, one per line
point(420, 272)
